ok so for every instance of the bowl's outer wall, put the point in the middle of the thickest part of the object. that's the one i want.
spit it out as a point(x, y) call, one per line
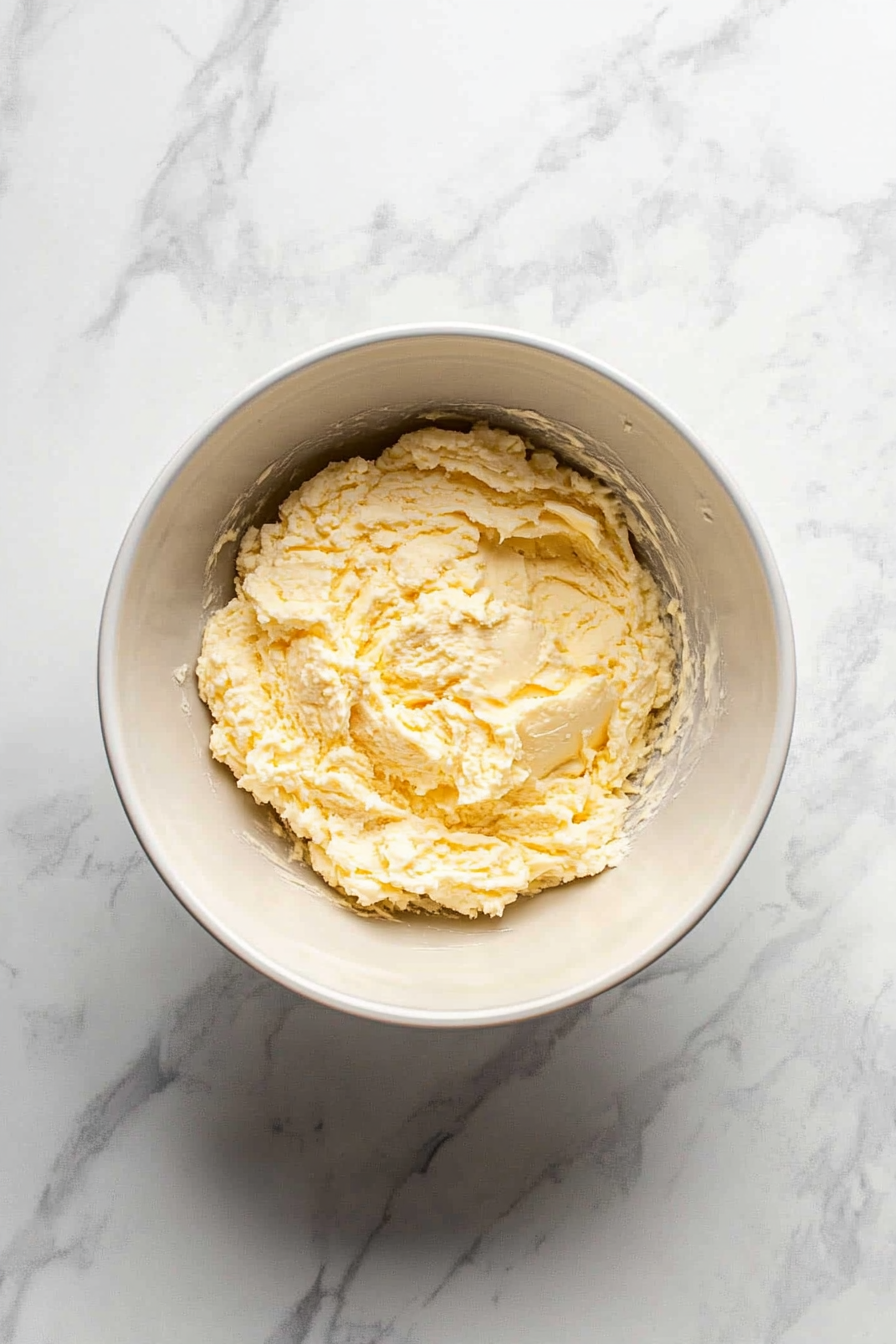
point(213, 846)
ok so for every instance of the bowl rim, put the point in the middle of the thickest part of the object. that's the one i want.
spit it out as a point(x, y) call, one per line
point(114, 736)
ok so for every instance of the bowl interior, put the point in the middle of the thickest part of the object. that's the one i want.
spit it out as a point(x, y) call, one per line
point(216, 848)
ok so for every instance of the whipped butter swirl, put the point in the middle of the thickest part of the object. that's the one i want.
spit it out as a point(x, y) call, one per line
point(443, 669)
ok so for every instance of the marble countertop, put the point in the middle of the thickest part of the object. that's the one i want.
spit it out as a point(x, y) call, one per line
point(702, 194)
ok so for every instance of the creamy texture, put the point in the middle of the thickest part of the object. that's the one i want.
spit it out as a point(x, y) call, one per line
point(442, 669)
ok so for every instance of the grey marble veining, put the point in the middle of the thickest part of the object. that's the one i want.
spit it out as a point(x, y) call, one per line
point(702, 194)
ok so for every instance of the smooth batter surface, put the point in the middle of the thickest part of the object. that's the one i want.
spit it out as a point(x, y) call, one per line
point(442, 669)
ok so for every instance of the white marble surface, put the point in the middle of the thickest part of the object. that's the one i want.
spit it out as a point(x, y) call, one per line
point(703, 193)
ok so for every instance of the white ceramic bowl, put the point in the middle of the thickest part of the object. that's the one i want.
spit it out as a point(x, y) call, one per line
point(215, 848)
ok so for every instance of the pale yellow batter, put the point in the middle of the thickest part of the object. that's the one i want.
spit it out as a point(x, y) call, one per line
point(442, 669)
